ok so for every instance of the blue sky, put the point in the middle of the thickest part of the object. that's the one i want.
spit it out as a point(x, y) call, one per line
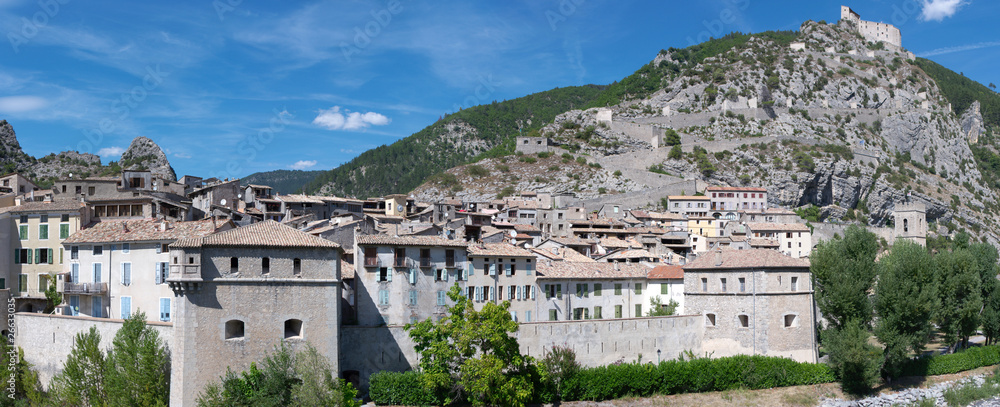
point(232, 87)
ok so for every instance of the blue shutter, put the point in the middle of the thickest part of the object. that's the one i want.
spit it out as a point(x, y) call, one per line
point(159, 270)
point(74, 305)
point(126, 310)
point(413, 276)
point(74, 274)
point(507, 271)
point(97, 272)
point(164, 309)
point(17, 256)
point(493, 269)
point(529, 268)
point(469, 271)
point(388, 275)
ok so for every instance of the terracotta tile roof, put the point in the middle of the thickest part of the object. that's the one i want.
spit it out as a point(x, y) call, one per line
point(630, 254)
point(778, 227)
point(346, 269)
point(299, 199)
point(263, 234)
point(577, 270)
point(688, 198)
point(498, 250)
point(142, 230)
point(259, 186)
point(564, 255)
point(386, 240)
point(526, 228)
point(763, 242)
point(614, 243)
point(663, 272)
point(734, 189)
point(742, 259)
point(571, 241)
point(63, 205)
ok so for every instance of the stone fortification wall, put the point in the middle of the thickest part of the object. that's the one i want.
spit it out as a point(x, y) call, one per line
point(367, 350)
point(48, 339)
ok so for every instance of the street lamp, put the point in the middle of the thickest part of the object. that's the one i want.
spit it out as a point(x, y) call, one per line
point(658, 356)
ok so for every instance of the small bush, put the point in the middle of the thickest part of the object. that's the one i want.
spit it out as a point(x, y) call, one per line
point(617, 173)
point(528, 159)
point(953, 363)
point(478, 171)
point(407, 388)
point(595, 165)
point(503, 168)
point(602, 190)
point(545, 154)
point(581, 160)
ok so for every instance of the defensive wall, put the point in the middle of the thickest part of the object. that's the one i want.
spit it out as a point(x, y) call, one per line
point(48, 339)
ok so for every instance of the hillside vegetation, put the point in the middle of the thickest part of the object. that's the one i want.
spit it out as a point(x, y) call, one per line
point(454, 140)
point(282, 181)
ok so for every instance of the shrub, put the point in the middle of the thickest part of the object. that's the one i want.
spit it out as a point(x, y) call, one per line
point(406, 388)
point(581, 160)
point(528, 159)
point(953, 363)
point(503, 168)
point(478, 171)
point(602, 190)
point(675, 153)
point(505, 192)
point(545, 154)
point(595, 165)
point(617, 173)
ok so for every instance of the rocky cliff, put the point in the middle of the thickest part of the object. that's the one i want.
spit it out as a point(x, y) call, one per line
point(144, 154)
point(12, 159)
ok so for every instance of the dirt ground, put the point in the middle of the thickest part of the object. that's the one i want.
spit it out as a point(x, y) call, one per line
point(797, 396)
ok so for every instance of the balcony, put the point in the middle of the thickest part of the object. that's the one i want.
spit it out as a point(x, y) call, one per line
point(399, 262)
point(85, 288)
point(425, 262)
point(449, 262)
point(371, 261)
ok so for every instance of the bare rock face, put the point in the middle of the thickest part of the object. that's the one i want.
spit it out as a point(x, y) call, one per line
point(12, 158)
point(972, 123)
point(66, 163)
point(144, 154)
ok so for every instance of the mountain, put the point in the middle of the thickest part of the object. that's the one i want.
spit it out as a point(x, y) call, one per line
point(283, 181)
point(848, 125)
point(12, 158)
point(485, 130)
point(144, 154)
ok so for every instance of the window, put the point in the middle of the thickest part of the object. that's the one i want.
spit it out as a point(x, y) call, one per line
point(23, 232)
point(638, 288)
point(384, 275)
point(618, 289)
point(664, 289)
point(162, 271)
point(79, 189)
point(126, 274)
point(265, 265)
point(597, 313)
point(90, 190)
point(527, 316)
point(74, 253)
point(74, 304)
point(64, 217)
point(165, 309)
point(795, 283)
point(74, 274)
point(618, 311)
point(791, 320)
point(126, 307)
point(709, 319)
point(293, 328)
point(22, 256)
point(43, 282)
point(164, 248)
point(43, 232)
point(234, 329)
point(413, 297)
point(597, 289)
point(513, 293)
point(98, 251)
point(97, 307)
point(97, 272)
point(24, 219)
point(63, 230)
point(234, 264)
point(22, 283)
point(743, 284)
point(296, 267)
point(638, 311)
point(441, 275)
point(441, 298)
point(383, 297)
point(722, 282)
point(744, 321)
point(553, 315)
point(581, 290)
point(906, 225)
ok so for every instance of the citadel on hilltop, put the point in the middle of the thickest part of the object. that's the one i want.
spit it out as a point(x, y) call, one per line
point(871, 30)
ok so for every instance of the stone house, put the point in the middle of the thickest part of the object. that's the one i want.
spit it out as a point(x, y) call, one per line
point(688, 205)
point(116, 268)
point(667, 281)
point(17, 184)
point(554, 222)
point(755, 302)
point(793, 239)
point(34, 232)
point(224, 196)
point(727, 201)
point(243, 292)
point(405, 279)
point(576, 291)
point(500, 272)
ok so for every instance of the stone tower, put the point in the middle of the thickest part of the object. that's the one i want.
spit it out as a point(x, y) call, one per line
point(911, 222)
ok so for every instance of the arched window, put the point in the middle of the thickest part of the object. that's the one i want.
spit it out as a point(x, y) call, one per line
point(293, 328)
point(234, 329)
point(906, 225)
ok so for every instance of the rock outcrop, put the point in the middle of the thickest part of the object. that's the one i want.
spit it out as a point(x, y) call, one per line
point(144, 154)
point(972, 123)
point(12, 158)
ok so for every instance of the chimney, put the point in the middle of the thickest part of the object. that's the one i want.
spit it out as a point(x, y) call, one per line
point(163, 226)
point(616, 265)
point(125, 226)
point(718, 257)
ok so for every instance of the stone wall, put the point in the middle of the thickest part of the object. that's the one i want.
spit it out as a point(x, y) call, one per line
point(48, 339)
point(367, 350)
point(532, 145)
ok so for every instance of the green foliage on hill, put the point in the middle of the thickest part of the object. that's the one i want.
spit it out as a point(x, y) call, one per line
point(650, 77)
point(961, 91)
point(283, 181)
point(405, 164)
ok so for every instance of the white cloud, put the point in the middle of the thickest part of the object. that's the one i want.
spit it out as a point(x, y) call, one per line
point(334, 119)
point(937, 10)
point(111, 152)
point(21, 104)
point(303, 164)
point(959, 48)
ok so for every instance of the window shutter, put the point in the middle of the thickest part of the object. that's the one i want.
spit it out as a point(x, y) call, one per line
point(528, 269)
point(74, 273)
point(493, 269)
point(38, 256)
point(532, 292)
point(413, 276)
point(468, 271)
point(159, 248)
point(493, 294)
point(518, 294)
point(446, 273)
point(51, 256)
point(17, 256)
point(164, 309)
point(126, 310)
point(388, 275)
point(159, 269)
point(507, 270)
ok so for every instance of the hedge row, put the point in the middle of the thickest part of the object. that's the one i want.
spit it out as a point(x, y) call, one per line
point(406, 388)
point(698, 375)
point(633, 379)
point(953, 363)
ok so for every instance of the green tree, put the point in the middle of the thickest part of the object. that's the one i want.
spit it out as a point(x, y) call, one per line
point(985, 256)
point(905, 301)
point(675, 153)
point(671, 138)
point(844, 273)
point(557, 367)
point(27, 386)
point(658, 309)
point(317, 385)
point(473, 353)
point(82, 379)
point(855, 361)
point(958, 280)
point(138, 366)
point(52, 295)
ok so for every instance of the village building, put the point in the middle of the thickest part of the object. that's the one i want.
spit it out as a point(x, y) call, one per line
point(726, 202)
point(667, 281)
point(578, 291)
point(500, 272)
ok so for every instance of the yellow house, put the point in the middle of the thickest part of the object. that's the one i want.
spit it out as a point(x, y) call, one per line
point(705, 226)
point(395, 205)
point(36, 231)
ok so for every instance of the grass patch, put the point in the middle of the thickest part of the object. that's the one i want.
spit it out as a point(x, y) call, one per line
point(800, 399)
point(969, 392)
